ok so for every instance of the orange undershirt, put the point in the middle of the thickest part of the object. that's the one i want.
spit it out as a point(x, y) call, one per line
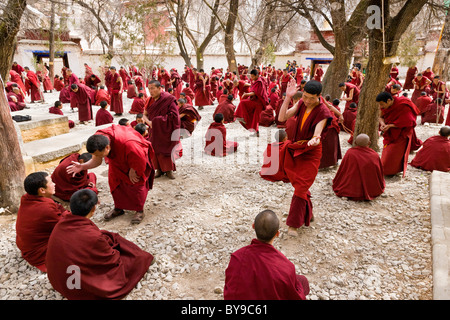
point(305, 116)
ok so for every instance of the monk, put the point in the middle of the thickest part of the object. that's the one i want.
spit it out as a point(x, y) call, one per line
point(83, 96)
point(422, 102)
point(116, 92)
point(216, 139)
point(351, 94)
point(202, 89)
point(318, 73)
point(227, 109)
point(261, 272)
point(360, 174)
point(349, 115)
point(304, 148)
point(397, 122)
point(248, 112)
point(57, 109)
point(433, 112)
point(103, 116)
point(131, 172)
point(33, 86)
point(410, 75)
point(138, 104)
point(438, 89)
point(272, 168)
point(58, 83)
point(36, 218)
point(188, 92)
point(162, 116)
point(331, 145)
point(102, 95)
point(92, 81)
point(15, 99)
point(67, 184)
point(17, 78)
point(86, 263)
point(421, 84)
point(72, 79)
point(189, 117)
point(435, 152)
point(176, 82)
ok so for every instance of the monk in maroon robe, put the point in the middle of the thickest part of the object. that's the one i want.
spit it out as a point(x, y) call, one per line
point(92, 81)
point(102, 95)
point(57, 109)
point(318, 73)
point(67, 184)
point(37, 216)
point(261, 272)
point(421, 84)
point(254, 102)
point(116, 92)
point(132, 90)
point(86, 263)
point(435, 152)
point(33, 86)
point(202, 89)
point(17, 78)
point(216, 139)
point(422, 102)
point(17, 68)
point(267, 116)
point(304, 149)
point(15, 99)
point(131, 172)
point(103, 116)
point(360, 174)
point(433, 112)
point(189, 117)
point(82, 96)
point(58, 83)
point(162, 116)
point(410, 75)
point(227, 109)
point(176, 83)
point(272, 168)
point(188, 91)
point(138, 104)
point(351, 94)
point(331, 145)
point(397, 122)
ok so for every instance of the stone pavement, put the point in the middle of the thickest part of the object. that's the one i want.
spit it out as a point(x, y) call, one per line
point(440, 233)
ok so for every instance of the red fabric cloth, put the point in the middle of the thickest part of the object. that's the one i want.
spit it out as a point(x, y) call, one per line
point(360, 175)
point(190, 119)
point(116, 94)
point(102, 117)
point(137, 106)
point(434, 155)
point(227, 108)
point(36, 218)
point(430, 114)
point(331, 148)
point(202, 92)
point(397, 140)
point(65, 95)
point(216, 141)
point(422, 102)
point(66, 184)
point(129, 150)
point(189, 93)
point(131, 91)
point(92, 83)
point(58, 84)
point(102, 95)
point(55, 110)
point(34, 86)
point(261, 272)
point(273, 160)
point(318, 74)
point(17, 78)
point(267, 117)
point(110, 266)
point(82, 98)
point(410, 75)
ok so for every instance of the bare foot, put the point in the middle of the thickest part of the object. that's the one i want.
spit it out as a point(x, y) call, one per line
point(292, 232)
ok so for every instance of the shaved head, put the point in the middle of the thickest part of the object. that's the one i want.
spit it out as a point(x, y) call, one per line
point(362, 140)
point(266, 225)
point(445, 131)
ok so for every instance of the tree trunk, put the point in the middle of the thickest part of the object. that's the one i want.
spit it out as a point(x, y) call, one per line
point(51, 47)
point(441, 65)
point(265, 38)
point(337, 72)
point(229, 35)
point(12, 173)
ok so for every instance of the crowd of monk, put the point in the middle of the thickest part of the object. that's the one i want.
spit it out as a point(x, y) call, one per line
point(84, 262)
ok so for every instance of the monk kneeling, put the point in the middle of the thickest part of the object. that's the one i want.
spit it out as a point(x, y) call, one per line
point(86, 263)
point(360, 174)
point(261, 272)
point(435, 152)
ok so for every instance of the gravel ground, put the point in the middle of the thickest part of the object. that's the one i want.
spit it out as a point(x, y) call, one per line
point(377, 250)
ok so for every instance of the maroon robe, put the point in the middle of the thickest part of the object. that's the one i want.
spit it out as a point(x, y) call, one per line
point(116, 94)
point(397, 140)
point(15, 106)
point(216, 141)
point(82, 98)
point(355, 98)
point(410, 75)
point(202, 92)
point(267, 117)
point(102, 95)
point(109, 265)
point(261, 272)
point(434, 155)
point(131, 91)
point(331, 145)
point(422, 103)
point(73, 79)
point(36, 218)
point(318, 74)
point(190, 119)
point(360, 175)
point(272, 168)
point(250, 109)
point(17, 78)
point(56, 110)
point(102, 117)
point(93, 84)
point(33, 86)
point(164, 133)
point(177, 84)
point(137, 106)
point(430, 114)
point(58, 84)
point(227, 109)
point(301, 162)
point(67, 184)
point(189, 93)
point(128, 150)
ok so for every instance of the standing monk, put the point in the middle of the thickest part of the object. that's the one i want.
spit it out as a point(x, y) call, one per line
point(304, 150)
point(318, 73)
point(397, 122)
point(130, 174)
point(116, 92)
point(83, 98)
point(162, 116)
point(410, 75)
point(33, 84)
point(249, 110)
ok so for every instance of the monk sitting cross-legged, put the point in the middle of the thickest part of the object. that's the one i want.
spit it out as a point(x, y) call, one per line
point(435, 152)
point(86, 263)
point(360, 174)
point(271, 169)
point(216, 139)
point(261, 272)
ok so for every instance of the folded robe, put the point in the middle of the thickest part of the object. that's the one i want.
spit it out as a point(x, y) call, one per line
point(67, 184)
point(36, 218)
point(434, 155)
point(261, 272)
point(109, 265)
point(360, 175)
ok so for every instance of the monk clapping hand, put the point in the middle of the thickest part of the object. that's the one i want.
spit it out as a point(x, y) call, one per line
point(74, 168)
